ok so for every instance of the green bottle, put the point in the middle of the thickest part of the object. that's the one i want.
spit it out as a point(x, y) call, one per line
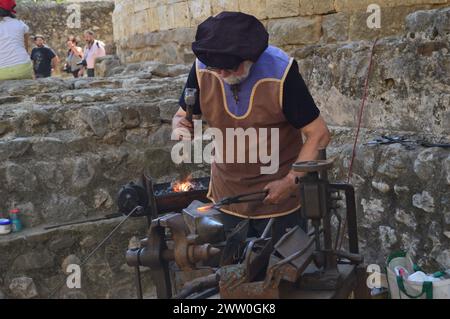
point(15, 220)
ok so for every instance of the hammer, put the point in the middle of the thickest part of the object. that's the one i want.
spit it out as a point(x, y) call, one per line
point(190, 97)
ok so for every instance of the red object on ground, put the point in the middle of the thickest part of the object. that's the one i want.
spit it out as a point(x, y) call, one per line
point(14, 211)
point(8, 5)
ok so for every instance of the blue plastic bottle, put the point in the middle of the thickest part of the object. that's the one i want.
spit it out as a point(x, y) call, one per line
point(15, 220)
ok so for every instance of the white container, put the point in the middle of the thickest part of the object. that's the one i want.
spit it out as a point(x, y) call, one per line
point(5, 226)
point(420, 276)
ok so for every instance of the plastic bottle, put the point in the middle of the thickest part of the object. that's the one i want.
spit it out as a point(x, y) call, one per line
point(15, 220)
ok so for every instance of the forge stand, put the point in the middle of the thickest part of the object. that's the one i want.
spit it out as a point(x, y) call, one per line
point(197, 255)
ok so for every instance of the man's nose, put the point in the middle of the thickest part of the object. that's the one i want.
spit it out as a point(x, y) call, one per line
point(224, 73)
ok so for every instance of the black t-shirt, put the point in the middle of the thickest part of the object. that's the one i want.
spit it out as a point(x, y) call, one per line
point(42, 58)
point(298, 105)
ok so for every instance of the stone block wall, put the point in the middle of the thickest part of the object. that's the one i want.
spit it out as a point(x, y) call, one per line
point(164, 29)
point(66, 148)
point(402, 191)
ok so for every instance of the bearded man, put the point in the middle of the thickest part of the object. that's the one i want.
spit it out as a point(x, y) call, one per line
point(242, 82)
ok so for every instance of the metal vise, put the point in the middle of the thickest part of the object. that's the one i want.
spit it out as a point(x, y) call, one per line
point(186, 239)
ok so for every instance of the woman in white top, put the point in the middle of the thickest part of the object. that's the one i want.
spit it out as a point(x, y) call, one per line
point(15, 62)
point(74, 56)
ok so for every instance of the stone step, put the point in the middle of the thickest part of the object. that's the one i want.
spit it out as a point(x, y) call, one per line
point(67, 145)
point(34, 260)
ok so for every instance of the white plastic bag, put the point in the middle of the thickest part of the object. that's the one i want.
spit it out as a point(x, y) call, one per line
point(401, 288)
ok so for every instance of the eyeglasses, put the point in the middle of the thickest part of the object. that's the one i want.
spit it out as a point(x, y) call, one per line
point(217, 70)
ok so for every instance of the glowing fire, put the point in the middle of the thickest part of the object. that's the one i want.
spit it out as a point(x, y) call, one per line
point(204, 209)
point(183, 186)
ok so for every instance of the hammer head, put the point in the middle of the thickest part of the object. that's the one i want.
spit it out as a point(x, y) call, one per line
point(190, 96)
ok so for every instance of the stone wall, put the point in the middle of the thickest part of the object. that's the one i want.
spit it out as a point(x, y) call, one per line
point(55, 22)
point(66, 147)
point(164, 29)
point(402, 192)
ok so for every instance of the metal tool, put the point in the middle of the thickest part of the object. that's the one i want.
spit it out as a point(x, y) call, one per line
point(106, 217)
point(386, 140)
point(243, 198)
point(408, 143)
point(190, 98)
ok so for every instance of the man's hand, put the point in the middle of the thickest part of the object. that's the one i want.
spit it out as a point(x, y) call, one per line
point(280, 190)
point(182, 127)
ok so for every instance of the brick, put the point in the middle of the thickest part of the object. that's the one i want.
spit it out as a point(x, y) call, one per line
point(141, 5)
point(335, 27)
point(181, 15)
point(282, 8)
point(140, 23)
point(299, 30)
point(199, 11)
point(218, 6)
point(308, 7)
point(163, 17)
point(153, 19)
point(256, 8)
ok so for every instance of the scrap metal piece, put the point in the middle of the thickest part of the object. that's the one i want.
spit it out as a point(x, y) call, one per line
point(292, 254)
point(257, 257)
point(292, 242)
point(234, 243)
point(232, 286)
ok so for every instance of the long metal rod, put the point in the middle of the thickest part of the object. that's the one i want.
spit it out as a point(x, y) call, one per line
point(107, 217)
point(268, 228)
point(97, 248)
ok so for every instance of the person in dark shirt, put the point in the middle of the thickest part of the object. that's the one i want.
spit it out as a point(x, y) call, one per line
point(44, 58)
point(245, 84)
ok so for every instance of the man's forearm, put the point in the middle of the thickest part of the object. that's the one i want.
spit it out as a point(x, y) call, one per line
point(54, 63)
point(309, 152)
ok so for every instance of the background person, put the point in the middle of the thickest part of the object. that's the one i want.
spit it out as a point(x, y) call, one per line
point(74, 57)
point(14, 59)
point(44, 58)
point(94, 49)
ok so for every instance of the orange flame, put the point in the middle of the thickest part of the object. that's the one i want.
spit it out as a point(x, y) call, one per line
point(204, 209)
point(183, 186)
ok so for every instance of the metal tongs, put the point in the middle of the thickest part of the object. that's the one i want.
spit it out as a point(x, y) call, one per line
point(243, 198)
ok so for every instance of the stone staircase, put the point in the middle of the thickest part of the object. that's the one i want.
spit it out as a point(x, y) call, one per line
point(66, 147)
